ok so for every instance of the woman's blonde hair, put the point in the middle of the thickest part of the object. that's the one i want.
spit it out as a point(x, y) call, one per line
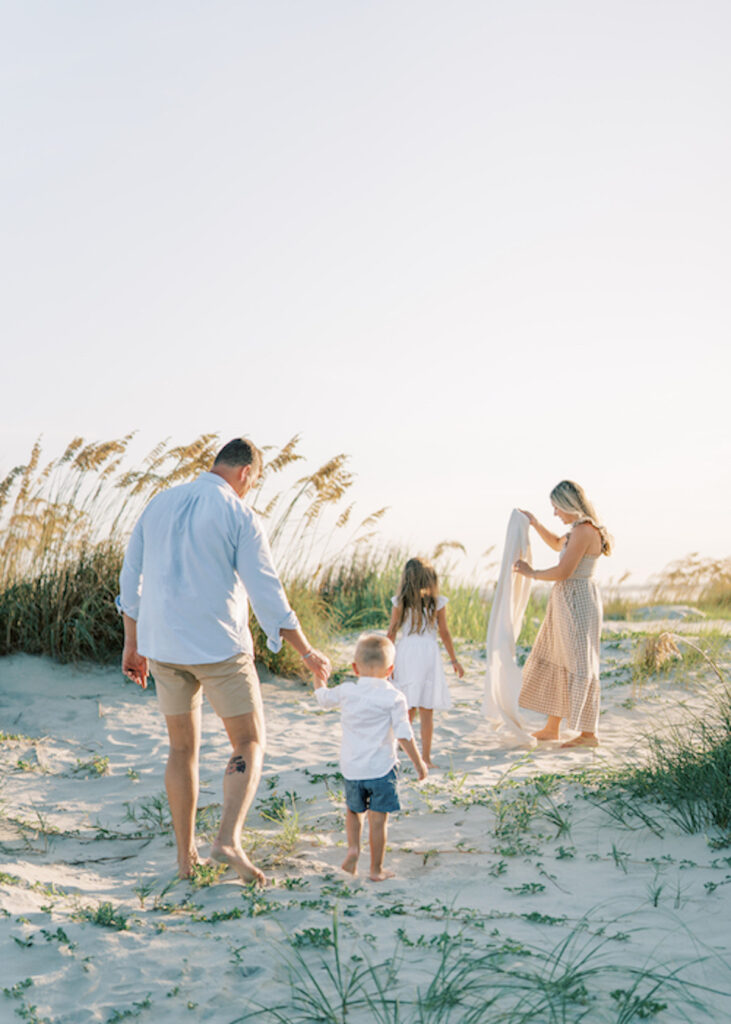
point(571, 497)
point(417, 594)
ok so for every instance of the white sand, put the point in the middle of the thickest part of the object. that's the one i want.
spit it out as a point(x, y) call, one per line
point(67, 843)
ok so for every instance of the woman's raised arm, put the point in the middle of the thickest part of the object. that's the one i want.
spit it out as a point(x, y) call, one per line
point(579, 542)
point(552, 539)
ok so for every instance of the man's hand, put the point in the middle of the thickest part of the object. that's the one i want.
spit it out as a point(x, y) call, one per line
point(318, 664)
point(134, 666)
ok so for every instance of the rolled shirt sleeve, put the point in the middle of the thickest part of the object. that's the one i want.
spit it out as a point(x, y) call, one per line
point(130, 578)
point(255, 567)
point(400, 719)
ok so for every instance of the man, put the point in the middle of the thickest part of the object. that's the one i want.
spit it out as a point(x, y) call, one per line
point(196, 556)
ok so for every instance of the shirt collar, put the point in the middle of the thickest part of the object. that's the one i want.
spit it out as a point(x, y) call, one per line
point(213, 478)
point(374, 681)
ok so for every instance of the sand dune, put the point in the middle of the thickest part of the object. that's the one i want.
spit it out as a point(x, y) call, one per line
point(95, 928)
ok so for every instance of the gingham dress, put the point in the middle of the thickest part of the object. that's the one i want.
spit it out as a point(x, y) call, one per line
point(561, 675)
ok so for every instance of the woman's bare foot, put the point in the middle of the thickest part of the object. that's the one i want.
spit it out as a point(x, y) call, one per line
point(429, 763)
point(545, 734)
point(350, 864)
point(237, 859)
point(582, 740)
point(382, 875)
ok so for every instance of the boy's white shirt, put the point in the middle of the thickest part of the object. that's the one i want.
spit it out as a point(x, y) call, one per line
point(374, 715)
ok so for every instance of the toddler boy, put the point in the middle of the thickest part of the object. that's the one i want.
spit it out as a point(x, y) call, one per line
point(374, 715)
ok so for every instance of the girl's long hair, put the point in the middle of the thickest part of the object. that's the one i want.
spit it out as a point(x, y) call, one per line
point(571, 497)
point(417, 596)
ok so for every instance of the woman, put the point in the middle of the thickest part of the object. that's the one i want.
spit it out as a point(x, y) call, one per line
point(561, 675)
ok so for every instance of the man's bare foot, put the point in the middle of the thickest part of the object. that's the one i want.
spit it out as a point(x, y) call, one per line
point(350, 864)
point(382, 875)
point(581, 741)
point(545, 734)
point(237, 859)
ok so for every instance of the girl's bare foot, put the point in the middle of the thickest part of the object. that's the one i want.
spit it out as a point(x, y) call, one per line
point(545, 734)
point(382, 875)
point(237, 859)
point(582, 741)
point(187, 864)
point(350, 864)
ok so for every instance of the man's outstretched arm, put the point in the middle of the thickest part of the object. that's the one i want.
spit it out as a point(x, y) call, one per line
point(317, 662)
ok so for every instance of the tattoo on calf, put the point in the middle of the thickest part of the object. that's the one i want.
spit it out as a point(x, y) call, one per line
point(236, 764)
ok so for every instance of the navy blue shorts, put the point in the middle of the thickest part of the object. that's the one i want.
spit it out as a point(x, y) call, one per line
point(373, 794)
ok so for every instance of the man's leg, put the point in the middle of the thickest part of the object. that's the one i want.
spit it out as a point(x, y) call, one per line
point(377, 834)
point(181, 783)
point(353, 829)
point(240, 783)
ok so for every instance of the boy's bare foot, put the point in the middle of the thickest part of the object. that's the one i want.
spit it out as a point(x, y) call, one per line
point(545, 734)
point(581, 741)
point(350, 864)
point(382, 875)
point(237, 859)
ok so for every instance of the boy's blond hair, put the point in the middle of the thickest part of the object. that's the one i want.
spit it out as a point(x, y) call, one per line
point(374, 651)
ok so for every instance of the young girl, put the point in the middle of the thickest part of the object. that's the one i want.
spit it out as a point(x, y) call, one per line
point(419, 611)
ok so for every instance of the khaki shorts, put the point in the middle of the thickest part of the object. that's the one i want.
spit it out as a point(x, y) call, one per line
point(231, 686)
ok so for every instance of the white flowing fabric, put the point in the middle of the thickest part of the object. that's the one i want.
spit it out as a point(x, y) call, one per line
point(503, 674)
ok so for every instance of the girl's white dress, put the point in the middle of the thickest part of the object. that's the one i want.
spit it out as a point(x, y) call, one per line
point(418, 671)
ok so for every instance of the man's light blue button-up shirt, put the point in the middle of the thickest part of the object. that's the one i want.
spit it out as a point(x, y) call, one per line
point(195, 555)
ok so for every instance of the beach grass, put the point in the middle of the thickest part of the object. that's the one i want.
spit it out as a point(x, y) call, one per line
point(359, 588)
point(64, 526)
point(66, 611)
point(65, 523)
point(492, 917)
point(688, 767)
point(702, 582)
point(453, 979)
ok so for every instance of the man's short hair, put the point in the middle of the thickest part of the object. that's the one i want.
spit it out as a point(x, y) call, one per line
point(240, 452)
point(374, 651)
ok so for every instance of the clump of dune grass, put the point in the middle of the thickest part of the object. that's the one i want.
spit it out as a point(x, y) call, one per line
point(66, 612)
point(358, 586)
point(454, 980)
point(704, 582)
point(654, 653)
point(661, 653)
point(687, 766)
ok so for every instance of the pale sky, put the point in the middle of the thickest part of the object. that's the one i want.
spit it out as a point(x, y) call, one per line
point(479, 246)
